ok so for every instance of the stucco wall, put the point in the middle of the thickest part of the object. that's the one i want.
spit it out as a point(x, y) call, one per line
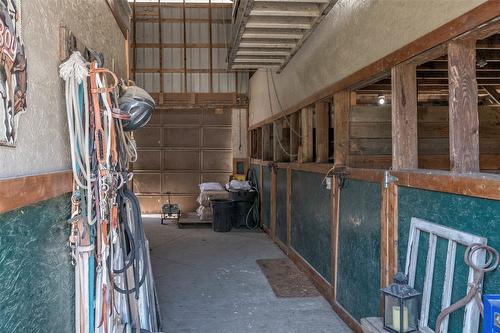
point(353, 35)
point(42, 144)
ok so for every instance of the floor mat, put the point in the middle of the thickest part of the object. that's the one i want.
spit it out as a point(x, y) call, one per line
point(286, 279)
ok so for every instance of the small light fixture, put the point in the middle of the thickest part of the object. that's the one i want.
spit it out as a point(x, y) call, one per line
point(401, 304)
point(381, 99)
point(481, 62)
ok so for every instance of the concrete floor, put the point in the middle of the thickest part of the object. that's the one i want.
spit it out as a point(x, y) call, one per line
point(209, 282)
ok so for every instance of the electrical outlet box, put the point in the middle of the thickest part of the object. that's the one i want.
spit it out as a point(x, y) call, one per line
point(328, 181)
point(491, 321)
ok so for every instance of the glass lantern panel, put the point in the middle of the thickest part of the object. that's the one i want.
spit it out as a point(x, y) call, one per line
point(412, 304)
point(391, 308)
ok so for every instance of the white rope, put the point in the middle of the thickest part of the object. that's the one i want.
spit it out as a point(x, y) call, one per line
point(74, 72)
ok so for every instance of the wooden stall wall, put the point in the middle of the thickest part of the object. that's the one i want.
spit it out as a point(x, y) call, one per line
point(36, 275)
point(370, 137)
point(358, 249)
point(311, 221)
point(477, 216)
point(281, 206)
point(266, 197)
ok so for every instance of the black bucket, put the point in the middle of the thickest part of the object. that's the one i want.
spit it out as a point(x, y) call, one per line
point(223, 214)
point(242, 195)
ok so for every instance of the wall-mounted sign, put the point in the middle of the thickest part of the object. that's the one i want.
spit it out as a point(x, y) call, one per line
point(12, 71)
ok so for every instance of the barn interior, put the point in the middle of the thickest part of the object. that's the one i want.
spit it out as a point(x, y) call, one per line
point(250, 166)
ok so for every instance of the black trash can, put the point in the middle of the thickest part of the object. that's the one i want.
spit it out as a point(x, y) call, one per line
point(243, 203)
point(223, 214)
point(243, 216)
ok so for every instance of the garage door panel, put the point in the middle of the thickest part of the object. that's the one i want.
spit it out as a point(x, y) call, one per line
point(150, 204)
point(181, 183)
point(148, 137)
point(217, 117)
point(181, 117)
point(147, 183)
point(181, 160)
point(217, 177)
point(155, 119)
point(217, 160)
point(184, 137)
point(187, 203)
point(217, 137)
point(148, 160)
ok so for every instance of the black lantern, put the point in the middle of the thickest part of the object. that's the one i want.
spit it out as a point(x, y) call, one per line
point(401, 306)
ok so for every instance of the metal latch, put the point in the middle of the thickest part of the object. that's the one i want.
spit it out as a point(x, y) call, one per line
point(388, 178)
point(341, 174)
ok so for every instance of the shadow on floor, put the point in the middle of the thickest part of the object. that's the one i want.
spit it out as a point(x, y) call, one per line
point(210, 282)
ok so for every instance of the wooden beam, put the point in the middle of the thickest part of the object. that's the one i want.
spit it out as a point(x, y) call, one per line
point(306, 149)
point(160, 37)
point(493, 93)
point(281, 142)
point(404, 117)
point(341, 101)
point(184, 41)
point(322, 131)
point(463, 111)
point(294, 136)
point(267, 144)
point(479, 15)
point(210, 61)
point(289, 207)
point(23, 191)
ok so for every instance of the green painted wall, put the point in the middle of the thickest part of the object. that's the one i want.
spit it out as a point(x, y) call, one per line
point(281, 186)
point(311, 221)
point(473, 215)
point(36, 277)
point(266, 196)
point(358, 276)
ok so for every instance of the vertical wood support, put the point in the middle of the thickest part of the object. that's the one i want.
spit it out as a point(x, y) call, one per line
point(261, 183)
point(322, 129)
point(335, 202)
point(294, 137)
point(463, 111)
point(289, 207)
point(160, 49)
point(267, 146)
point(281, 142)
point(404, 117)
point(211, 89)
point(184, 42)
point(273, 203)
point(134, 40)
point(342, 105)
point(306, 150)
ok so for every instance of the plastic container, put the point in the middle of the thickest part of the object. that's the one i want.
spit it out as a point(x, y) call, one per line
point(242, 196)
point(223, 214)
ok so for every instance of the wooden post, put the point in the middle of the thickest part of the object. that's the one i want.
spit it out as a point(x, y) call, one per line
point(341, 101)
point(464, 118)
point(294, 136)
point(267, 152)
point(184, 42)
point(289, 207)
point(404, 117)
point(306, 143)
point(281, 142)
point(210, 62)
point(272, 224)
point(160, 49)
point(322, 129)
